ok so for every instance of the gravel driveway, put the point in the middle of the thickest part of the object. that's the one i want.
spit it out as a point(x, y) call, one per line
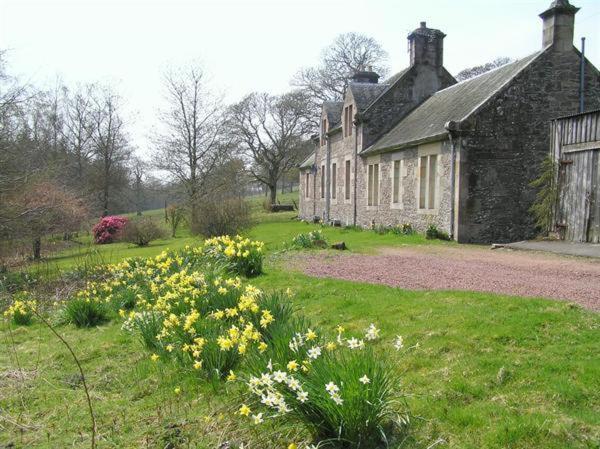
point(467, 268)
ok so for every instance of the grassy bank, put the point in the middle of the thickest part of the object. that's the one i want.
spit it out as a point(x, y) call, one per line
point(489, 371)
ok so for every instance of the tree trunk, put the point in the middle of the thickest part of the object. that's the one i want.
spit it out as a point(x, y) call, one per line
point(193, 217)
point(105, 201)
point(273, 193)
point(37, 248)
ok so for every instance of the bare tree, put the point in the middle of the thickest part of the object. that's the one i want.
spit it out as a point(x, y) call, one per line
point(111, 149)
point(191, 142)
point(480, 69)
point(138, 173)
point(12, 93)
point(269, 131)
point(349, 52)
point(79, 128)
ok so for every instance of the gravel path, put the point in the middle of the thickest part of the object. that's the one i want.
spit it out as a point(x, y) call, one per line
point(467, 268)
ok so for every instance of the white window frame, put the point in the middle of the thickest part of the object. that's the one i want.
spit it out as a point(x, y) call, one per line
point(307, 184)
point(427, 155)
point(375, 166)
point(333, 182)
point(322, 182)
point(400, 186)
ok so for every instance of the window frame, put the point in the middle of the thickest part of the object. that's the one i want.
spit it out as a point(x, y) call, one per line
point(323, 131)
point(347, 179)
point(373, 184)
point(333, 187)
point(348, 119)
point(428, 182)
point(307, 185)
point(322, 181)
point(397, 183)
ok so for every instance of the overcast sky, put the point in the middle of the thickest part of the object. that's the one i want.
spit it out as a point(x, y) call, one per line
point(251, 45)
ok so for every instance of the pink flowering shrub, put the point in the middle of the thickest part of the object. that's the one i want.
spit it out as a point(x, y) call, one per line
point(107, 230)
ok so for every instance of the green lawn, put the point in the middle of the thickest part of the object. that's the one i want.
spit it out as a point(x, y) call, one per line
point(490, 371)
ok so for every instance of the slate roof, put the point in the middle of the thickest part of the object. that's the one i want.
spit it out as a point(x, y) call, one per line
point(392, 79)
point(365, 93)
point(308, 162)
point(333, 110)
point(456, 103)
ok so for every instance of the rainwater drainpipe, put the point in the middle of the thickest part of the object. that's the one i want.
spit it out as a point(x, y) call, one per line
point(328, 180)
point(582, 77)
point(313, 171)
point(355, 211)
point(452, 128)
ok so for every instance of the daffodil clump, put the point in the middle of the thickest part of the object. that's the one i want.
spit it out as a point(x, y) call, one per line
point(338, 388)
point(186, 308)
point(21, 311)
point(243, 255)
point(210, 328)
point(312, 239)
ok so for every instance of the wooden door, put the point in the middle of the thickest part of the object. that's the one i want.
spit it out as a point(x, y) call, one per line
point(593, 232)
point(576, 193)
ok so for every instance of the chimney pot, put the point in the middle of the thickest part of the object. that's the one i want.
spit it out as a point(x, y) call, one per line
point(426, 46)
point(559, 25)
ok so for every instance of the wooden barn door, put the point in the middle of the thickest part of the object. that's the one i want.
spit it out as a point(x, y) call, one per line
point(576, 195)
point(594, 220)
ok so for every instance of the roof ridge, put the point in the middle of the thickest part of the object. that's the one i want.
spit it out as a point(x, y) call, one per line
point(533, 57)
point(459, 83)
point(400, 74)
point(457, 102)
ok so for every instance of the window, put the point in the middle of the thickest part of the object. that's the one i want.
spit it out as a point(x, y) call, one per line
point(397, 183)
point(348, 118)
point(323, 131)
point(373, 185)
point(347, 181)
point(427, 181)
point(333, 180)
point(322, 181)
point(306, 186)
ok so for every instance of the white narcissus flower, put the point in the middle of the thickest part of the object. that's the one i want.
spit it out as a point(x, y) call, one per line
point(337, 399)
point(399, 343)
point(258, 419)
point(372, 333)
point(293, 383)
point(355, 343)
point(314, 353)
point(279, 376)
point(332, 388)
point(302, 396)
point(364, 380)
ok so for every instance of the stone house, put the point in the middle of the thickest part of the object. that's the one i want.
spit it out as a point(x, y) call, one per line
point(421, 148)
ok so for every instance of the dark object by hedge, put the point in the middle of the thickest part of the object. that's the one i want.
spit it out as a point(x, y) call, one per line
point(282, 207)
point(339, 246)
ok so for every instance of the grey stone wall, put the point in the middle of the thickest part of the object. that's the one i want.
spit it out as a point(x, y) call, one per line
point(510, 139)
point(387, 214)
point(420, 82)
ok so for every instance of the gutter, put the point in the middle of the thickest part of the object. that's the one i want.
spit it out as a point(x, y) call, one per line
point(412, 143)
point(355, 211)
point(328, 182)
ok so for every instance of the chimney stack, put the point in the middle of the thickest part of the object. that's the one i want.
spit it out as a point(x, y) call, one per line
point(365, 76)
point(559, 25)
point(426, 46)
